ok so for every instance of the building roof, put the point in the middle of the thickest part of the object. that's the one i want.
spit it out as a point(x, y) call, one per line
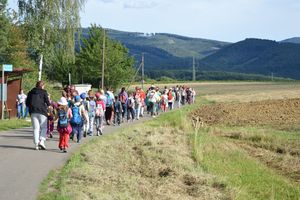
point(16, 72)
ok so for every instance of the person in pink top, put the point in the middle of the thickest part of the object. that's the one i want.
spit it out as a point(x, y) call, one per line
point(99, 114)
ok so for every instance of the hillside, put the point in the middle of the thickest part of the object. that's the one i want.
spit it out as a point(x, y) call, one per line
point(171, 56)
point(178, 46)
point(164, 51)
point(295, 40)
point(258, 57)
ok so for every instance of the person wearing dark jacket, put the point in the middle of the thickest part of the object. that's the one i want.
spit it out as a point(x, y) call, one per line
point(38, 102)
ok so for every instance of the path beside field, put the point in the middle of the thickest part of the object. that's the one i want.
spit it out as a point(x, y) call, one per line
point(22, 168)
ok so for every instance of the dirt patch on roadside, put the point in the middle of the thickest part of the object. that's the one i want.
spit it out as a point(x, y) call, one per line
point(280, 154)
point(271, 112)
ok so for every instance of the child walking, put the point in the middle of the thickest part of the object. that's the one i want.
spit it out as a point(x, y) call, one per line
point(50, 123)
point(117, 110)
point(64, 114)
point(91, 112)
point(78, 115)
point(84, 103)
point(99, 113)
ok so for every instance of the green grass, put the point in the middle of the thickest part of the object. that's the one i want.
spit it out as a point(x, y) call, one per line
point(13, 123)
point(146, 161)
point(249, 178)
point(165, 158)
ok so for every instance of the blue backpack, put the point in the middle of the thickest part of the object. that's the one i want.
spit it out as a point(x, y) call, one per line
point(62, 118)
point(76, 119)
point(109, 101)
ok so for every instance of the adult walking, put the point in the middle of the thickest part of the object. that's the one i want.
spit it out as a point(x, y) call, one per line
point(21, 98)
point(123, 97)
point(37, 101)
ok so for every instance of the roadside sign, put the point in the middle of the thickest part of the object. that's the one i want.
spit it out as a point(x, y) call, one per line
point(4, 92)
point(7, 68)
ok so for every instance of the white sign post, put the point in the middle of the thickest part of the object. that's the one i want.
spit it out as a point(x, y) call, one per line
point(5, 68)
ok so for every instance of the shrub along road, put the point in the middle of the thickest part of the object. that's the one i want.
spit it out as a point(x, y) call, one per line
point(22, 168)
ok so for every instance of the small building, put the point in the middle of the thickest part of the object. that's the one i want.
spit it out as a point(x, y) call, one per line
point(83, 88)
point(13, 80)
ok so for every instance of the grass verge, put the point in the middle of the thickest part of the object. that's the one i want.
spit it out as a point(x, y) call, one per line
point(166, 158)
point(248, 160)
point(13, 124)
point(147, 161)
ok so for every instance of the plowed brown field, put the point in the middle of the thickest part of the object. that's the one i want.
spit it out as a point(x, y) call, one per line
point(271, 112)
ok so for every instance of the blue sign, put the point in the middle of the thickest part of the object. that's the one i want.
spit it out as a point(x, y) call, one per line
point(8, 68)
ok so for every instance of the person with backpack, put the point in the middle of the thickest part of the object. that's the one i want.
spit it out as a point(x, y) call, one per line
point(130, 108)
point(157, 104)
point(123, 96)
point(91, 112)
point(64, 114)
point(189, 95)
point(137, 103)
point(78, 116)
point(117, 111)
point(99, 113)
point(171, 97)
point(183, 95)
point(143, 101)
point(152, 98)
point(37, 101)
point(84, 102)
point(164, 101)
point(178, 94)
point(109, 106)
point(50, 119)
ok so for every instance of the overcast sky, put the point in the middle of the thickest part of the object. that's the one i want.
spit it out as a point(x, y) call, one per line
point(225, 20)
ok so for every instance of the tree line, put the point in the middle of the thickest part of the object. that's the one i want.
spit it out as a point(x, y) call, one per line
point(45, 32)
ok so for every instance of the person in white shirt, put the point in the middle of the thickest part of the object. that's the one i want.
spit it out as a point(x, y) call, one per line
point(21, 99)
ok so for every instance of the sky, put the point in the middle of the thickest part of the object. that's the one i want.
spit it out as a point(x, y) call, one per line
point(223, 20)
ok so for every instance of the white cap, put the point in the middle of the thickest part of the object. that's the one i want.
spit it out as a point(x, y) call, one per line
point(62, 101)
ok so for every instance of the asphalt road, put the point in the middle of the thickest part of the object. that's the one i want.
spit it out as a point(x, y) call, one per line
point(22, 168)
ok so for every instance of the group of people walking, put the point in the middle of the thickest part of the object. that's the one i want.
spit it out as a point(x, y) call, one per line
point(77, 114)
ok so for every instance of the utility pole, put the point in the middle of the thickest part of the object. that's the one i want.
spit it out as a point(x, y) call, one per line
point(272, 76)
point(2, 95)
point(103, 60)
point(194, 70)
point(143, 62)
point(69, 78)
point(42, 56)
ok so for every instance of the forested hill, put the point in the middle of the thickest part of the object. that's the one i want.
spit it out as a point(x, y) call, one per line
point(295, 40)
point(171, 55)
point(164, 51)
point(256, 56)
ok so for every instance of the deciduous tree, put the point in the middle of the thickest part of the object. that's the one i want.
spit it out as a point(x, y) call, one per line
point(118, 64)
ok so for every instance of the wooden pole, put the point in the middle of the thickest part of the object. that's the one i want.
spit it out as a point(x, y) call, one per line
point(143, 71)
point(103, 60)
point(2, 95)
point(194, 70)
point(41, 56)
